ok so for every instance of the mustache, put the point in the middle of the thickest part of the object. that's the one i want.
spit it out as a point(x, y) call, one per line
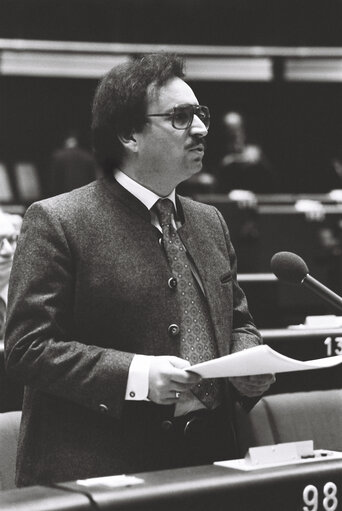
point(5, 261)
point(197, 141)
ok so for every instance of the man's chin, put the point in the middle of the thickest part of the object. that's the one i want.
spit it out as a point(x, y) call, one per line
point(196, 166)
point(191, 170)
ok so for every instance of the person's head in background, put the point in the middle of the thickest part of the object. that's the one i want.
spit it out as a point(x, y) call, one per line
point(72, 140)
point(9, 230)
point(234, 132)
point(147, 122)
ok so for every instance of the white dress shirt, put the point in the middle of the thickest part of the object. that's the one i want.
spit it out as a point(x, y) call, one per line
point(4, 293)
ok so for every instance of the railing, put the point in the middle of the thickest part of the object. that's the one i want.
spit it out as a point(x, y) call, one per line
point(208, 63)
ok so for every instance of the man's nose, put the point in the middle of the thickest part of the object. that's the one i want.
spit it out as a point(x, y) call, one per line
point(198, 127)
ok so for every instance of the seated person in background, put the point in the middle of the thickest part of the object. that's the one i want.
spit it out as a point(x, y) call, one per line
point(198, 184)
point(333, 172)
point(244, 166)
point(9, 230)
point(71, 166)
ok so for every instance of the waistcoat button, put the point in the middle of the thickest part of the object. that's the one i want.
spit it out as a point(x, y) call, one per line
point(172, 282)
point(173, 329)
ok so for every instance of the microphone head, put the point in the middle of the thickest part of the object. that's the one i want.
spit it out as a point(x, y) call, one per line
point(289, 267)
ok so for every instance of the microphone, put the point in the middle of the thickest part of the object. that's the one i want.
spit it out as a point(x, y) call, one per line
point(289, 267)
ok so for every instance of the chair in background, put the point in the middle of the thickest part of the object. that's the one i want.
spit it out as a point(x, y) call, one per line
point(6, 190)
point(315, 415)
point(9, 433)
point(27, 182)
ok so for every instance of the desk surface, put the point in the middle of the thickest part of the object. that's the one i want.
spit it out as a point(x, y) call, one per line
point(302, 334)
point(197, 488)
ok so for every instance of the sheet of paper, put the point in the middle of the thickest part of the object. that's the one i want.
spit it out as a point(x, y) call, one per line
point(259, 360)
point(111, 481)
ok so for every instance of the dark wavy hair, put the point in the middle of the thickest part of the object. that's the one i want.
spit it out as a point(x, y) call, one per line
point(120, 102)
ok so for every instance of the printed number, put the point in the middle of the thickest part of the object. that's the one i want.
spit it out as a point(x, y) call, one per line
point(338, 349)
point(330, 501)
point(335, 343)
point(328, 343)
point(311, 498)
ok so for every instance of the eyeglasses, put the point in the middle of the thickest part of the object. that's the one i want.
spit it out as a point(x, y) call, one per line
point(11, 240)
point(183, 115)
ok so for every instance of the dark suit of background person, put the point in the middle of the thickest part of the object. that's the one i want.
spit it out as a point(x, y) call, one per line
point(244, 166)
point(71, 167)
point(89, 293)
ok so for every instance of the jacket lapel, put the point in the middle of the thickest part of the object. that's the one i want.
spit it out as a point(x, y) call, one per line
point(112, 189)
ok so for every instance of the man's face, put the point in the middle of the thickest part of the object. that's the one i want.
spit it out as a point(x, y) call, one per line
point(8, 235)
point(168, 156)
point(235, 132)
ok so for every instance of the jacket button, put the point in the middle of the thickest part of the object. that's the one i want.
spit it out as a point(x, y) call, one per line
point(173, 330)
point(166, 425)
point(172, 282)
point(160, 241)
point(103, 408)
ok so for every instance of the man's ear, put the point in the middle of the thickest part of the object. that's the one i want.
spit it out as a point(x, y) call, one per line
point(129, 141)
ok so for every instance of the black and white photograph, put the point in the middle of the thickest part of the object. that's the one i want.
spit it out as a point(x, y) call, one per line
point(170, 255)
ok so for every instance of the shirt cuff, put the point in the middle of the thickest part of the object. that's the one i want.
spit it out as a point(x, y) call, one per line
point(137, 382)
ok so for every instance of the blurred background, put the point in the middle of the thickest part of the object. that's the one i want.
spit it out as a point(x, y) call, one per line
point(279, 63)
point(271, 73)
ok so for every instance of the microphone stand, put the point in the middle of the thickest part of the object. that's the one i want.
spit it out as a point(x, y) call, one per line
point(322, 291)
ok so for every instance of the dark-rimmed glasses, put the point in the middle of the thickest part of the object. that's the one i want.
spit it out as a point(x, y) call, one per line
point(182, 116)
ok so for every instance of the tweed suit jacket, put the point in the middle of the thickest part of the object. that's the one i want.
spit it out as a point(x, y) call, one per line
point(88, 290)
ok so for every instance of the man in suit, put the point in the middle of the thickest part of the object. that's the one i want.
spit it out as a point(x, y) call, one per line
point(103, 322)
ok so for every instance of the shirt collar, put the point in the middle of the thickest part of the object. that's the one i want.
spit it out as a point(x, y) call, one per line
point(3, 293)
point(146, 196)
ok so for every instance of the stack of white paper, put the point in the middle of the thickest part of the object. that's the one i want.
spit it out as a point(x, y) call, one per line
point(258, 360)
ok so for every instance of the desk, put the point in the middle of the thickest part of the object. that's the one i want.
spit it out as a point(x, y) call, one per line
point(306, 344)
point(275, 225)
point(270, 198)
point(202, 488)
point(276, 304)
point(42, 498)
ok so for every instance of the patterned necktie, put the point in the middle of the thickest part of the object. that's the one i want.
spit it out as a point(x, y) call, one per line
point(196, 330)
point(2, 317)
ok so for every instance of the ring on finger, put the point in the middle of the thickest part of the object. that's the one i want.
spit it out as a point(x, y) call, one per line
point(178, 395)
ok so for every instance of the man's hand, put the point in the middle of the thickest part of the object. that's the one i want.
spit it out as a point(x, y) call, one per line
point(252, 386)
point(167, 378)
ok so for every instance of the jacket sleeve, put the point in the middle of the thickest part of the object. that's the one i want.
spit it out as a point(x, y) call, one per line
point(244, 334)
point(40, 350)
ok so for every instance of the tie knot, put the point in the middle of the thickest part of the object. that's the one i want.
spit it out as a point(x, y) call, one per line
point(164, 209)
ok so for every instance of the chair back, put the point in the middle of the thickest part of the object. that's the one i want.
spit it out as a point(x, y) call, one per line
point(27, 182)
point(9, 433)
point(315, 415)
point(6, 189)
